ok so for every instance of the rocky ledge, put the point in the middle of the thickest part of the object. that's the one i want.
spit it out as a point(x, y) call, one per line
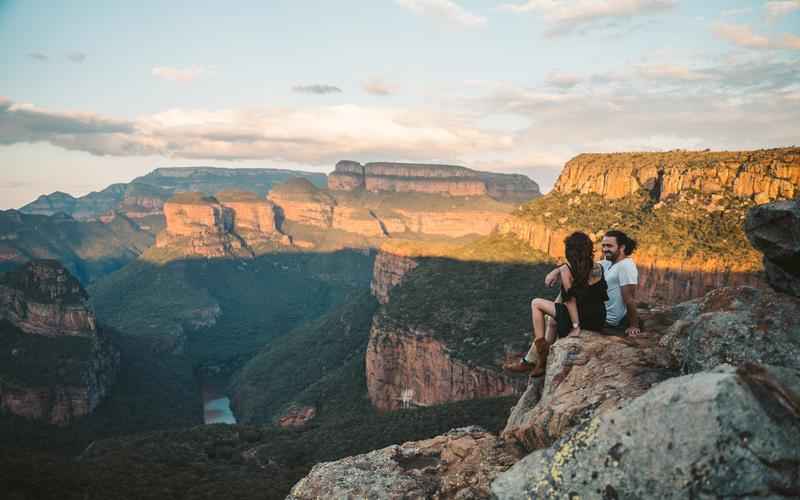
point(774, 229)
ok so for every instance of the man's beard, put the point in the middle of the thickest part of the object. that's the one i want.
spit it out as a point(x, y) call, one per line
point(611, 256)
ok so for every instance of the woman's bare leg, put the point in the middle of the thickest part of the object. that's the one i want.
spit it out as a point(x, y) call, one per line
point(539, 308)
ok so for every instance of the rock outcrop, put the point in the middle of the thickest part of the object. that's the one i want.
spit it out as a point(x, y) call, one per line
point(588, 375)
point(231, 224)
point(430, 178)
point(458, 465)
point(200, 225)
point(296, 416)
point(43, 298)
point(733, 325)
point(302, 202)
point(727, 433)
point(762, 175)
point(388, 272)
point(69, 365)
point(774, 229)
point(408, 367)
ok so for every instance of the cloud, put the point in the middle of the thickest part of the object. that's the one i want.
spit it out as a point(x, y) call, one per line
point(776, 10)
point(178, 74)
point(446, 10)
point(562, 80)
point(315, 135)
point(76, 57)
point(38, 56)
point(743, 36)
point(735, 12)
point(670, 72)
point(319, 89)
point(564, 16)
point(378, 87)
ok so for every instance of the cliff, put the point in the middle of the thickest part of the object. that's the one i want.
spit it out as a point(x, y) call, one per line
point(430, 178)
point(409, 367)
point(761, 176)
point(56, 365)
point(231, 225)
point(43, 298)
point(388, 272)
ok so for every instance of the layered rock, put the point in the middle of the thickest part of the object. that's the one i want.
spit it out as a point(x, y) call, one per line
point(254, 219)
point(587, 375)
point(430, 178)
point(43, 300)
point(762, 175)
point(409, 367)
point(302, 202)
point(388, 272)
point(735, 326)
point(727, 433)
point(460, 464)
point(774, 229)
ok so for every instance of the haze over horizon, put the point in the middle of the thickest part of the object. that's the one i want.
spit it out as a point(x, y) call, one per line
point(106, 93)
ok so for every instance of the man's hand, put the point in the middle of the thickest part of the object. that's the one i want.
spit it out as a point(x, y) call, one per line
point(633, 331)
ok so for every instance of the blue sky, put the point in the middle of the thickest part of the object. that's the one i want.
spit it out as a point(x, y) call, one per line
point(99, 92)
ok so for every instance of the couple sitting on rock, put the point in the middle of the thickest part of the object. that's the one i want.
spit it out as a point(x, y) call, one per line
point(594, 296)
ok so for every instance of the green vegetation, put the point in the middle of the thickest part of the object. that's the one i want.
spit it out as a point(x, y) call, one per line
point(479, 307)
point(38, 361)
point(227, 309)
point(152, 391)
point(692, 226)
point(295, 361)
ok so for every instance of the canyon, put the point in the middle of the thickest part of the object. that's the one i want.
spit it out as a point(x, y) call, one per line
point(57, 364)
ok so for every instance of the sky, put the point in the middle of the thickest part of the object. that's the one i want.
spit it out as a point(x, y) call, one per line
point(96, 92)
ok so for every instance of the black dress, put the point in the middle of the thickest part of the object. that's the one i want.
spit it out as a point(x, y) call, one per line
point(591, 306)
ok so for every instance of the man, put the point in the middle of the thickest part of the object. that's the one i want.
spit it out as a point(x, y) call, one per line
point(622, 278)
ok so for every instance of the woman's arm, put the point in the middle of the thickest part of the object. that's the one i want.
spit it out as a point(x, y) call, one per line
point(553, 276)
point(571, 303)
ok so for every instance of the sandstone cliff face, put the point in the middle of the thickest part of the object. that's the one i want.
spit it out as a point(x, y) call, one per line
point(228, 226)
point(388, 272)
point(44, 300)
point(412, 365)
point(302, 202)
point(426, 178)
point(762, 176)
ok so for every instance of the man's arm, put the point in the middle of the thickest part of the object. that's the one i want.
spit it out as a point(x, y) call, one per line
point(629, 297)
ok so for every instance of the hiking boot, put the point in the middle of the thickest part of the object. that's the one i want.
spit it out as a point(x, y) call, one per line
point(519, 365)
point(542, 350)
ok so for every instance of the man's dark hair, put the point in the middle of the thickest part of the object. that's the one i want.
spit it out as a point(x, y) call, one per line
point(623, 239)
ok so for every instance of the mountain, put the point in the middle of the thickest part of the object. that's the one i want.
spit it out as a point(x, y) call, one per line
point(88, 249)
point(146, 195)
point(56, 365)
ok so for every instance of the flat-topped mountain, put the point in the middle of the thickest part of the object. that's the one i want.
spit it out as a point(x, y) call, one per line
point(762, 175)
point(56, 365)
point(146, 195)
point(452, 180)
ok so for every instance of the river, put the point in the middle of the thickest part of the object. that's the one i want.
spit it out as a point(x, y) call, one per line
point(216, 404)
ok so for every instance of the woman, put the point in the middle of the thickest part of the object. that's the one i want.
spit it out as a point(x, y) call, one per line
point(583, 292)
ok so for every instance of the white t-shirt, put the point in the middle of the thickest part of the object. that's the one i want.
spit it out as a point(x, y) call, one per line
point(618, 275)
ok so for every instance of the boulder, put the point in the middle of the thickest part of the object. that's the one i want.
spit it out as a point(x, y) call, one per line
point(726, 433)
point(586, 375)
point(460, 464)
point(774, 229)
point(735, 326)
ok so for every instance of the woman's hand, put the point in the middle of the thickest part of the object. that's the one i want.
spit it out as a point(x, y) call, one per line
point(575, 332)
